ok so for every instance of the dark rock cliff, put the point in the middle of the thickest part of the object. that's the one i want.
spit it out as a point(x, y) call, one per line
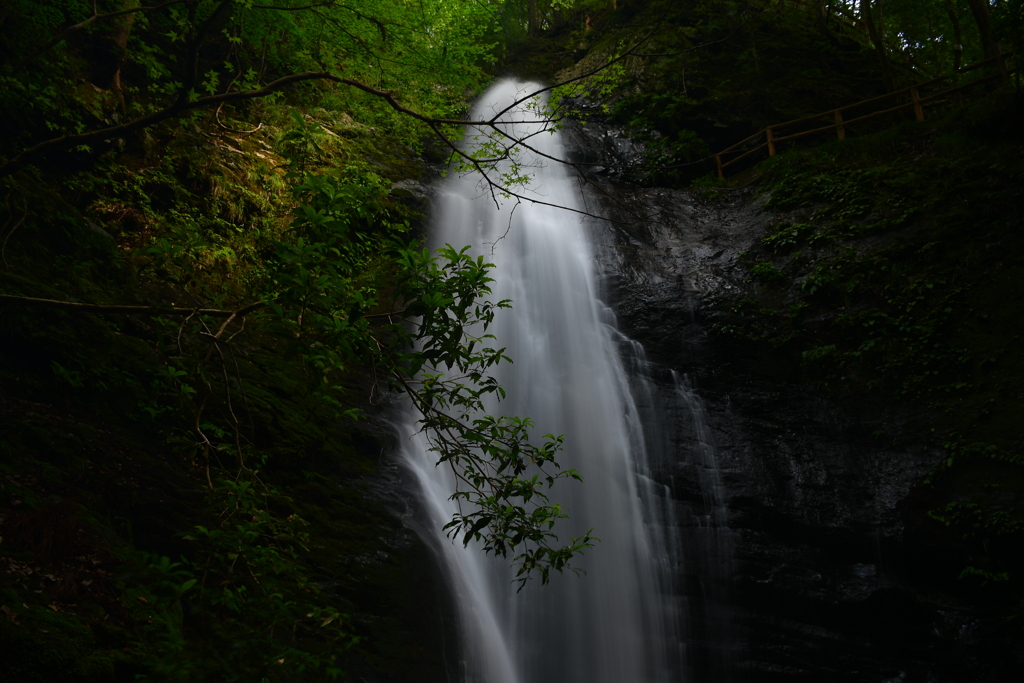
point(829, 577)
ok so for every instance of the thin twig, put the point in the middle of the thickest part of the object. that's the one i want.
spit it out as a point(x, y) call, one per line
point(117, 308)
point(3, 248)
point(181, 328)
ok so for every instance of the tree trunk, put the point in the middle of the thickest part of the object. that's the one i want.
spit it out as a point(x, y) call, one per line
point(979, 8)
point(5, 10)
point(958, 48)
point(826, 14)
point(867, 13)
point(122, 32)
point(534, 17)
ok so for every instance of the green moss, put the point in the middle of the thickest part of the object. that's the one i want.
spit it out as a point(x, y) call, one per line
point(767, 272)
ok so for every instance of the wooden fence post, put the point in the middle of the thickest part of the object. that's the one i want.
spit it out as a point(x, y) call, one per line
point(917, 102)
point(918, 111)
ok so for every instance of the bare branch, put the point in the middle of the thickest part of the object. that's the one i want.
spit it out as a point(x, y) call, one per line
point(7, 237)
point(389, 314)
point(184, 104)
point(627, 53)
point(298, 8)
point(144, 310)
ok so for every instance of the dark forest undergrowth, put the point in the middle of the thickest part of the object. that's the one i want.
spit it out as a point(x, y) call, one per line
point(891, 279)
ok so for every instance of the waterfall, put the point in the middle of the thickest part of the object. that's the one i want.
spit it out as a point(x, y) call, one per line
point(618, 622)
point(706, 539)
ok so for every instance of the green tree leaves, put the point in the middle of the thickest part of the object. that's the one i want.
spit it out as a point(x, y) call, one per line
point(243, 594)
point(431, 338)
point(502, 476)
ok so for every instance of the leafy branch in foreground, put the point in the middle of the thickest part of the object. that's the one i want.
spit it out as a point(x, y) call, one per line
point(342, 283)
point(437, 350)
point(502, 477)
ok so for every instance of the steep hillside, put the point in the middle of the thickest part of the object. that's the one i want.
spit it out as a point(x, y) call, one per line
point(848, 312)
point(207, 216)
point(859, 376)
point(191, 443)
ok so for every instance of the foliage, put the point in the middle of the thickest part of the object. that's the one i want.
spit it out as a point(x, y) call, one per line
point(903, 295)
point(324, 283)
point(936, 35)
point(715, 72)
point(712, 73)
point(1008, 16)
point(895, 320)
point(277, 210)
point(239, 605)
point(501, 475)
point(132, 62)
point(767, 272)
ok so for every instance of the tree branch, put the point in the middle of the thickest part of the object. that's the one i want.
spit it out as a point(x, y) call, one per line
point(29, 155)
point(158, 310)
point(183, 104)
point(299, 8)
point(117, 308)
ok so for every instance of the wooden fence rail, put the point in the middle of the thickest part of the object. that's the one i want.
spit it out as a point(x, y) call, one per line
point(839, 123)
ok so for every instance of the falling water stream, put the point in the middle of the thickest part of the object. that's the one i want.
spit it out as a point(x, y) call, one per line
point(573, 373)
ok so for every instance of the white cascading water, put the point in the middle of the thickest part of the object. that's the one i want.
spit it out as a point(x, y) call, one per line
point(617, 623)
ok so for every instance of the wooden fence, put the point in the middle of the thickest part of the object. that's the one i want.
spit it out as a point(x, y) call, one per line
point(839, 122)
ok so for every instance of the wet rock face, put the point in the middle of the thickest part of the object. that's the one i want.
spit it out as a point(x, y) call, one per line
point(603, 150)
point(827, 580)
